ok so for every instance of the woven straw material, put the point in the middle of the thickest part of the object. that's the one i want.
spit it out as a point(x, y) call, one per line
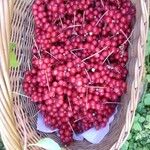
point(18, 113)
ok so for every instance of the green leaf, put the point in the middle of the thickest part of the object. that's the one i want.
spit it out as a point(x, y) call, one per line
point(47, 144)
point(141, 119)
point(138, 136)
point(145, 148)
point(12, 46)
point(140, 108)
point(12, 56)
point(135, 145)
point(139, 148)
point(129, 137)
point(147, 125)
point(125, 146)
point(148, 140)
point(148, 78)
point(137, 126)
point(148, 118)
point(148, 44)
point(131, 145)
point(147, 100)
point(137, 117)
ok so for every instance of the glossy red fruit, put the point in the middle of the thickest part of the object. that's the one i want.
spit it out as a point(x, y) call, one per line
point(79, 61)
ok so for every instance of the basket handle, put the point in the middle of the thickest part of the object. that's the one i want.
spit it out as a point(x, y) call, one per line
point(8, 130)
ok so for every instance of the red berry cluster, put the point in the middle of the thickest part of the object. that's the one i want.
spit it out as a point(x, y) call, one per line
point(79, 62)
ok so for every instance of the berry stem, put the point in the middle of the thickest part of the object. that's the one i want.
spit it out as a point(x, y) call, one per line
point(79, 119)
point(61, 22)
point(20, 94)
point(127, 38)
point(74, 22)
point(35, 56)
point(77, 57)
point(101, 17)
point(69, 103)
point(78, 49)
point(88, 75)
point(94, 54)
point(74, 54)
point(96, 87)
point(51, 55)
point(36, 47)
point(117, 103)
point(108, 57)
point(83, 19)
point(71, 127)
point(102, 2)
point(36, 114)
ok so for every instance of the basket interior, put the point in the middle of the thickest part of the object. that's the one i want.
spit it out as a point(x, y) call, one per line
point(25, 110)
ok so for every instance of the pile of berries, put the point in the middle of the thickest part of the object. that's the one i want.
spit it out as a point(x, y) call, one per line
point(79, 62)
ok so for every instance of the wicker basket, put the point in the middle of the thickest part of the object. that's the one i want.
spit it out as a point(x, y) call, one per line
point(17, 113)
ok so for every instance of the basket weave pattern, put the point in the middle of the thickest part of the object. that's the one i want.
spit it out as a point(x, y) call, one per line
point(18, 113)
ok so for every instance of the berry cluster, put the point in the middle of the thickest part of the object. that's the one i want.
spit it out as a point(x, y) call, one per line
point(79, 62)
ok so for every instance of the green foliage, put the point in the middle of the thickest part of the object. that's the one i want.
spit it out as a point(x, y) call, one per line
point(1, 145)
point(148, 78)
point(148, 44)
point(140, 133)
point(47, 144)
point(147, 99)
point(137, 126)
point(125, 146)
point(139, 138)
point(12, 56)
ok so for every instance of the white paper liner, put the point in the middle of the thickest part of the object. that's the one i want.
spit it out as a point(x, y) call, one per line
point(92, 135)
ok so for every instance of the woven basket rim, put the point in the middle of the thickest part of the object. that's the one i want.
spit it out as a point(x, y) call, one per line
point(11, 132)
